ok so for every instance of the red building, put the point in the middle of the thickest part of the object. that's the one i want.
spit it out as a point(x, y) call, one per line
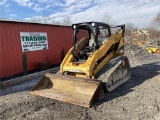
point(11, 54)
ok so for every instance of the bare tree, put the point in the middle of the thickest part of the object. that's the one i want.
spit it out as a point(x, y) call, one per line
point(54, 22)
point(106, 18)
point(156, 21)
point(38, 19)
point(33, 19)
point(129, 29)
point(67, 21)
point(51, 20)
point(154, 27)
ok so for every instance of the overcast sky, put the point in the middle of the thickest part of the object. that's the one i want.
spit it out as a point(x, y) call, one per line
point(139, 12)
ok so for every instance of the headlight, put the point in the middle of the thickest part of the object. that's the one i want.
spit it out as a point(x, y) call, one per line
point(74, 26)
point(121, 50)
point(93, 24)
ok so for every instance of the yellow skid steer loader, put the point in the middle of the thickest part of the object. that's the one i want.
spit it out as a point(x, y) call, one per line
point(94, 65)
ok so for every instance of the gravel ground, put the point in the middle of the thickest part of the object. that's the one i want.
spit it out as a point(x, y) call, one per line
point(137, 99)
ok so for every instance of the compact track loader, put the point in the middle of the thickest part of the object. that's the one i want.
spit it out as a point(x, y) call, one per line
point(94, 65)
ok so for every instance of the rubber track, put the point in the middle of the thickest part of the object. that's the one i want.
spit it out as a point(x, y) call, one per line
point(109, 68)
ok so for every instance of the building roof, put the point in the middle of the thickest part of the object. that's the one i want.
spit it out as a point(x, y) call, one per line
point(28, 22)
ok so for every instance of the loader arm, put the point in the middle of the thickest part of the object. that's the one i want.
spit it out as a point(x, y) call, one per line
point(97, 59)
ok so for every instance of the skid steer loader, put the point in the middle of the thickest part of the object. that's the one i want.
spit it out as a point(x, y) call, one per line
point(94, 65)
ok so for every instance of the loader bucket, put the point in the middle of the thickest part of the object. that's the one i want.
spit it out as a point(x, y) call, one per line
point(80, 91)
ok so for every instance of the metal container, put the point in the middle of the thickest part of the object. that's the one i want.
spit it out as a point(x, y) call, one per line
point(11, 54)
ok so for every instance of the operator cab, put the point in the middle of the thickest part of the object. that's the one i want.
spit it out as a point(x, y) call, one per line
point(94, 33)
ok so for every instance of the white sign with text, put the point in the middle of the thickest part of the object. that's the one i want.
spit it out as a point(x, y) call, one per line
point(32, 41)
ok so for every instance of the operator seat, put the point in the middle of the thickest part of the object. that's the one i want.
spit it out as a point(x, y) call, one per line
point(91, 43)
point(91, 40)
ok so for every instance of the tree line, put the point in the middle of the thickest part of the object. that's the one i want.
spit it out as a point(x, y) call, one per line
point(51, 20)
point(153, 27)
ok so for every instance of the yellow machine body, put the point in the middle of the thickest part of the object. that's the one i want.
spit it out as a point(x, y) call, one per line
point(76, 81)
point(88, 68)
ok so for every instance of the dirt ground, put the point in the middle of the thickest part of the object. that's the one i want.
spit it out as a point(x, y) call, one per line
point(137, 99)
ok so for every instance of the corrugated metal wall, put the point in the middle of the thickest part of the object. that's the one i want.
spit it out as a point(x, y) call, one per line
point(10, 46)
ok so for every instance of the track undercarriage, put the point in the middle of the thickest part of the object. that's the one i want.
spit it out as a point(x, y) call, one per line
point(115, 73)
